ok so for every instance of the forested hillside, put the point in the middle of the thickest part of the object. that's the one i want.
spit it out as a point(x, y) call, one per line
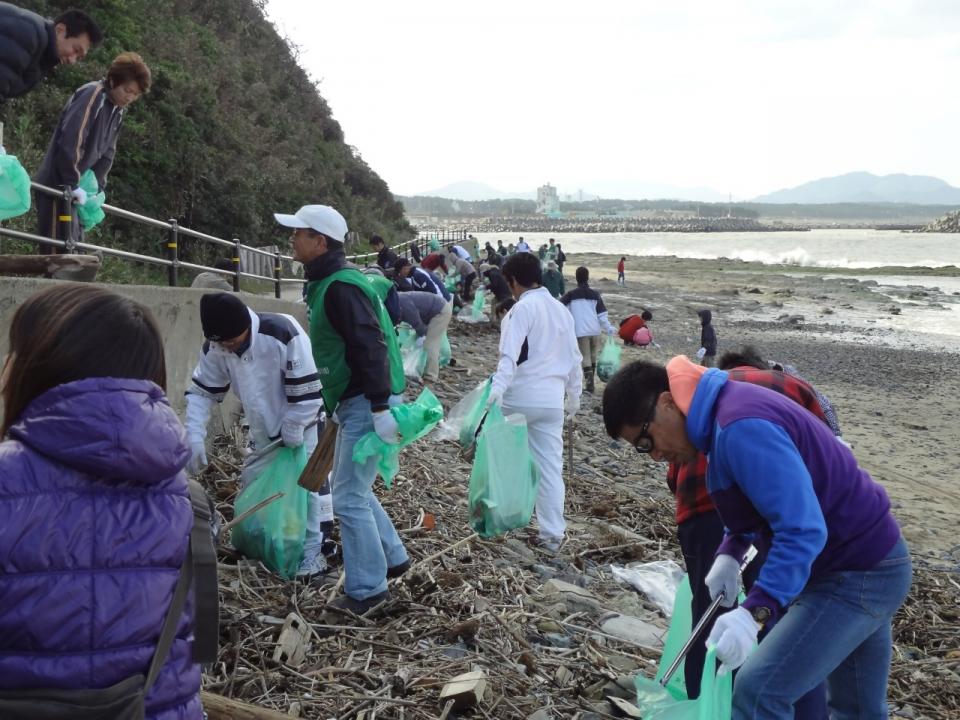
point(232, 130)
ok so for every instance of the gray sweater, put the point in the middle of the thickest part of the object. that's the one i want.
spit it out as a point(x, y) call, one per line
point(417, 309)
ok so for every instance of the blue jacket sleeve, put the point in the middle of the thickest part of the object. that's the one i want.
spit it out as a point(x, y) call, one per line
point(766, 466)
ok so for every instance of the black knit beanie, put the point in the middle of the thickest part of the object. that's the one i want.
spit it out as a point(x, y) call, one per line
point(223, 316)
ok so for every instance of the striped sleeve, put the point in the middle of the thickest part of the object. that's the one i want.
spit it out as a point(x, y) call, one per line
point(210, 377)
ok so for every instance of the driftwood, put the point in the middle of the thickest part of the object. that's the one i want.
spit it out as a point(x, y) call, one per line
point(79, 268)
point(221, 708)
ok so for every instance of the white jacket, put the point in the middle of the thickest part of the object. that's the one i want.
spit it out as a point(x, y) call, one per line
point(589, 312)
point(275, 378)
point(539, 358)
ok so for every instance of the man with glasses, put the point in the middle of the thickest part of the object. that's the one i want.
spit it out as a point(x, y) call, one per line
point(781, 480)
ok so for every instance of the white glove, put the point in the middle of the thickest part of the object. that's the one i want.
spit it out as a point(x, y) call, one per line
point(495, 397)
point(734, 634)
point(700, 353)
point(198, 456)
point(3, 150)
point(292, 434)
point(385, 425)
point(571, 406)
point(724, 577)
point(420, 341)
point(611, 331)
point(80, 195)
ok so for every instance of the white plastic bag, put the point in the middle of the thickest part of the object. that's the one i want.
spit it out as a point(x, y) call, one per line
point(461, 422)
point(657, 580)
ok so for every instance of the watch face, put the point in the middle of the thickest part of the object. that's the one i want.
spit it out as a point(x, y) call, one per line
point(761, 614)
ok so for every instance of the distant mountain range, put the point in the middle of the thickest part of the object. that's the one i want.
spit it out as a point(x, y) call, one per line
point(864, 187)
point(625, 190)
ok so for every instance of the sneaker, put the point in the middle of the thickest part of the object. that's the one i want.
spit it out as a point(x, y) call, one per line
point(548, 545)
point(314, 562)
point(398, 570)
point(345, 603)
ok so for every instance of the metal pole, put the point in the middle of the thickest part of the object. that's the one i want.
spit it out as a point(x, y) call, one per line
point(173, 253)
point(65, 212)
point(277, 267)
point(236, 265)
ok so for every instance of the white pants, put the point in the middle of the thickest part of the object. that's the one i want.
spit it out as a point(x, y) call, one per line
point(545, 436)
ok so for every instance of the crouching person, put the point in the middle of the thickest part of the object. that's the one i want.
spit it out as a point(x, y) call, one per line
point(538, 376)
point(779, 478)
point(96, 510)
point(266, 359)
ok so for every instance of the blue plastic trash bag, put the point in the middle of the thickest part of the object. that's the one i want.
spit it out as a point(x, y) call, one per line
point(276, 533)
point(14, 188)
point(415, 420)
point(91, 212)
point(504, 478)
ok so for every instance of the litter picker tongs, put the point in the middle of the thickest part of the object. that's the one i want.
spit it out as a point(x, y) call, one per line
point(704, 621)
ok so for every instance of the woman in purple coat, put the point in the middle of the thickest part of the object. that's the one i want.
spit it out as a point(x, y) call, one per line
point(95, 507)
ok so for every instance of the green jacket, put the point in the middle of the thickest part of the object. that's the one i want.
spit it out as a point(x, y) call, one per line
point(553, 281)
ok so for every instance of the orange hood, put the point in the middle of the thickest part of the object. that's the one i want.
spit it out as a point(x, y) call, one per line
point(683, 376)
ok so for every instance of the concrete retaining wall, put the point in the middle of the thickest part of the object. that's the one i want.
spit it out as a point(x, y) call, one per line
point(177, 311)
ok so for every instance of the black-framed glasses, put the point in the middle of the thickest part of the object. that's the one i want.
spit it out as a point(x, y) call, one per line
point(643, 443)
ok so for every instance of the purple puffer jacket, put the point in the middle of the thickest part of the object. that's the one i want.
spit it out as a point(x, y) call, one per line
point(95, 517)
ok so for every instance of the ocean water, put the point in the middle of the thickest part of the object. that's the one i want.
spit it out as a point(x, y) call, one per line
point(815, 248)
point(835, 249)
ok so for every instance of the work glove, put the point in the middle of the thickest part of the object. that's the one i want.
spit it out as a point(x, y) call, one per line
point(80, 196)
point(494, 398)
point(198, 456)
point(292, 434)
point(385, 425)
point(611, 331)
point(734, 635)
point(724, 577)
point(420, 341)
point(700, 353)
point(571, 406)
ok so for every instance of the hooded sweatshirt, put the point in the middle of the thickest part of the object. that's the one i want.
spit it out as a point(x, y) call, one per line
point(96, 520)
point(708, 336)
point(780, 479)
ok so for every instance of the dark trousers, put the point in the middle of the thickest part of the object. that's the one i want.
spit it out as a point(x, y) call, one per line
point(468, 285)
point(699, 537)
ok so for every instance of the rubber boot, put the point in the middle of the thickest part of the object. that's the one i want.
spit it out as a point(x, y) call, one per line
point(588, 379)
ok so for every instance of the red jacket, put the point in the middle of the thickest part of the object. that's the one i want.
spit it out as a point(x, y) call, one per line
point(630, 326)
point(688, 482)
point(620, 266)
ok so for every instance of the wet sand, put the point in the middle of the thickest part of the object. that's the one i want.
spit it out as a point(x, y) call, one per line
point(896, 391)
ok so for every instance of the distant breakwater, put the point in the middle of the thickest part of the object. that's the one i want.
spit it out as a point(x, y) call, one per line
point(614, 225)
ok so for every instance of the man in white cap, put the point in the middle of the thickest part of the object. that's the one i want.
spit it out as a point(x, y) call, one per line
point(358, 358)
point(266, 359)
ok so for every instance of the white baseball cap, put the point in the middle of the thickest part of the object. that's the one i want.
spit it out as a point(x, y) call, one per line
point(321, 218)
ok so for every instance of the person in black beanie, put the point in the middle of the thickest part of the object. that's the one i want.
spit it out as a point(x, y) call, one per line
point(267, 359)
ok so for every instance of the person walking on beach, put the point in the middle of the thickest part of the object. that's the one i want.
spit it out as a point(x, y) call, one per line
point(358, 356)
point(31, 46)
point(589, 319)
point(553, 281)
point(429, 316)
point(561, 258)
point(538, 376)
point(552, 251)
point(266, 359)
point(621, 276)
point(779, 478)
point(707, 354)
point(86, 139)
point(522, 246)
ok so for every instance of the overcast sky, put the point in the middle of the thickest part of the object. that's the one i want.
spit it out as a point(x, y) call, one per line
point(743, 96)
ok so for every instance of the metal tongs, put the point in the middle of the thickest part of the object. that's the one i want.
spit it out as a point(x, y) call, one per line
point(704, 621)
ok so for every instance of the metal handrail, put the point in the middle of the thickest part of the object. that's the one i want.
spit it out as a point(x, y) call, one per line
point(174, 229)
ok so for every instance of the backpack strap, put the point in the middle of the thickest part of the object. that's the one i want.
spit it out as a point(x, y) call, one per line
point(200, 564)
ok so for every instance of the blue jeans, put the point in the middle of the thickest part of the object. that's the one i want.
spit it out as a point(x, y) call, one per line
point(838, 629)
point(370, 542)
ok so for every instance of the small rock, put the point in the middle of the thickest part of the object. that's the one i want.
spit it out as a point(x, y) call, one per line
point(558, 640)
point(549, 626)
point(633, 630)
point(572, 595)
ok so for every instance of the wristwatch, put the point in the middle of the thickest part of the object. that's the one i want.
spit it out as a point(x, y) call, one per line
point(761, 615)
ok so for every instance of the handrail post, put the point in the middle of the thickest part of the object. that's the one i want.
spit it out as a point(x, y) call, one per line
point(277, 267)
point(236, 265)
point(65, 215)
point(173, 253)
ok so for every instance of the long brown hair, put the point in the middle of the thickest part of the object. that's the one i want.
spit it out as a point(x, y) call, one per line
point(73, 331)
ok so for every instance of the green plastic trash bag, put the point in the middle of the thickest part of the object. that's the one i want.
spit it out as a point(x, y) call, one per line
point(434, 245)
point(91, 212)
point(609, 361)
point(478, 302)
point(445, 352)
point(275, 534)
point(415, 420)
point(450, 281)
point(670, 703)
point(414, 358)
point(504, 478)
point(464, 418)
point(14, 188)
